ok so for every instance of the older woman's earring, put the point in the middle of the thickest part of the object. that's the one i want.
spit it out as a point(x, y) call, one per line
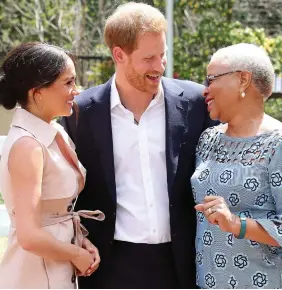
point(243, 94)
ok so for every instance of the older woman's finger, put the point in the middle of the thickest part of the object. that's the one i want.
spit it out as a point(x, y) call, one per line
point(210, 204)
point(199, 207)
point(212, 218)
point(209, 198)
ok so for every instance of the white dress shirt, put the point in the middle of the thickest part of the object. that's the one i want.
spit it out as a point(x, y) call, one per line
point(140, 172)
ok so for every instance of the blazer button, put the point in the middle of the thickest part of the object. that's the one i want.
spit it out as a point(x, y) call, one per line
point(69, 208)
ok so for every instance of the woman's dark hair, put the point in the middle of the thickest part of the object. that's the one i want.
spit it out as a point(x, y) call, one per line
point(30, 65)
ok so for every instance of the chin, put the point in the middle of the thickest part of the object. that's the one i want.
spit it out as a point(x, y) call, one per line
point(214, 116)
point(153, 89)
point(66, 113)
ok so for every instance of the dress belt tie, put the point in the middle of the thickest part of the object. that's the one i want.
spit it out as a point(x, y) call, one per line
point(79, 230)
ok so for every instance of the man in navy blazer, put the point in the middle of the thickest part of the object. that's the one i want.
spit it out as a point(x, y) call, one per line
point(136, 135)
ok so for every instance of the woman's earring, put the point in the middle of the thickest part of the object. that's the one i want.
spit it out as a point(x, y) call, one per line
point(243, 94)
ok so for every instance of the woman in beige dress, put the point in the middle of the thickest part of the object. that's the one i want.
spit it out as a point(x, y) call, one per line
point(41, 175)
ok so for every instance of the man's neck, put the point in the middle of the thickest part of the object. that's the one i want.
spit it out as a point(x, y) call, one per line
point(133, 99)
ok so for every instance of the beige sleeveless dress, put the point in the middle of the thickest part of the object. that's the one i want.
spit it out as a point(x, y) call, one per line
point(61, 184)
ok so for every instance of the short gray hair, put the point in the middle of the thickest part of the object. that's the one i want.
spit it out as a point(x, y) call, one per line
point(249, 57)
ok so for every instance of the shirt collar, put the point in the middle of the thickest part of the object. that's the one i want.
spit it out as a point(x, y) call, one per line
point(40, 129)
point(115, 99)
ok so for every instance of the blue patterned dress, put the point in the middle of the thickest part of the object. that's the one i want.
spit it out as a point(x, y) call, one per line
point(247, 172)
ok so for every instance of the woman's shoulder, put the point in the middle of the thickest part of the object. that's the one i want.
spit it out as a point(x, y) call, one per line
point(19, 145)
point(208, 137)
point(210, 132)
point(272, 130)
point(271, 124)
point(16, 135)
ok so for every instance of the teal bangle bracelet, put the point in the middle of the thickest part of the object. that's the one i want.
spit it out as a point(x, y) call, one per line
point(243, 228)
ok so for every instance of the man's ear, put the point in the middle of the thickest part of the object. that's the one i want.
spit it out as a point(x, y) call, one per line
point(119, 54)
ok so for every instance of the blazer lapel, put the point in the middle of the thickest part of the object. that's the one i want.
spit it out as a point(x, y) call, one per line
point(99, 116)
point(176, 122)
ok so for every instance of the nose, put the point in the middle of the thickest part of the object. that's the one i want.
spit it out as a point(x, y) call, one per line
point(160, 65)
point(206, 92)
point(75, 90)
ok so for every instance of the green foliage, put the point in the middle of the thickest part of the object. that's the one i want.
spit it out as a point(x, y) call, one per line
point(74, 25)
point(101, 72)
point(48, 20)
point(260, 13)
point(204, 26)
point(1, 199)
point(273, 107)
point(194, 50)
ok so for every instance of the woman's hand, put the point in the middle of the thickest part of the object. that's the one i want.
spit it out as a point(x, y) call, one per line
point(83, 260)
point(217, 212)
point(86, 244)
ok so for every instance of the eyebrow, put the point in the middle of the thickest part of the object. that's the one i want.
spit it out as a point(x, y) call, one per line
point(69, 78)
point(151, 55)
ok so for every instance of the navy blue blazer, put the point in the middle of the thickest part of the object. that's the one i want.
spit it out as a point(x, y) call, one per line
point(186, 118)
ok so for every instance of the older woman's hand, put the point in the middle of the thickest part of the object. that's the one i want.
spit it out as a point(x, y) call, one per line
point(217, 212)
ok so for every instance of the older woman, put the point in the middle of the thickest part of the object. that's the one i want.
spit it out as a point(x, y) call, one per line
point(238, 179)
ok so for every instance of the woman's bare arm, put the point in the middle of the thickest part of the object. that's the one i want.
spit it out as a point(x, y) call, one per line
point(26, 169)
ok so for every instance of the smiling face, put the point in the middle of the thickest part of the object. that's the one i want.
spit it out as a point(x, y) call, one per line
point(144, 67)
point(57, 99)
point(223, 94)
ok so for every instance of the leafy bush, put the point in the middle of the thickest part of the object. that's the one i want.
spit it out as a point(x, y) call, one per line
point(101, 72)
point(273, 107)
point(201, 27)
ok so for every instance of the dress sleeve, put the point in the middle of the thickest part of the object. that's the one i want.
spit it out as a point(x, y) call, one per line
point(273, 225)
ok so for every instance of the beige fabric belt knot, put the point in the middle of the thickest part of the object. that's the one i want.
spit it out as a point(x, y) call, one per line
point(79, 230)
